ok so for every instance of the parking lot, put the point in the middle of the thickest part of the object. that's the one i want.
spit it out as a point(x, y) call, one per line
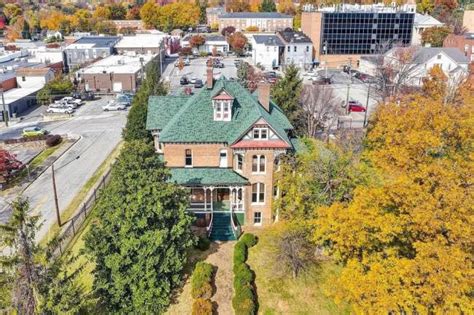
point(196, 69)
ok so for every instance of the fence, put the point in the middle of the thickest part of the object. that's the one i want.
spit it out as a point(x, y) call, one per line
point(73, 225)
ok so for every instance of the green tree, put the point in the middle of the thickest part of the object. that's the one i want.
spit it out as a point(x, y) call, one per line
point(267, 6)
point(202, 11)
point(139, 243)
point(135, 128)
point(117, 11)
point(243, 73)
point(286, 93)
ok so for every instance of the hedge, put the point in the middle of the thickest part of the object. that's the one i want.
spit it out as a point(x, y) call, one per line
point(203, 243)
point(202, 307)
point(244, 301)
point(53, 140)
point(201, 281)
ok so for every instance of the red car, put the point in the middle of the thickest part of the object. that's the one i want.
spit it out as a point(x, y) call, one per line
point(356, 107)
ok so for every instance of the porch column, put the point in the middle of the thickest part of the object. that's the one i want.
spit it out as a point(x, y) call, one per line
point(205, 198)
point(212, 197)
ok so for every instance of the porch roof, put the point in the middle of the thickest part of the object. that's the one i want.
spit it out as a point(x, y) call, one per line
point(206, 176)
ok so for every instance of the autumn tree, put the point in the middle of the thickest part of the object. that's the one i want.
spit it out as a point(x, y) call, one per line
point(237, 6)
point(237, 42)
point(180, 15)
point(197, 41)
point(228, 30)
point(140, 241)
point(403, 241)
point(102, 12)
point(286, 92)
point(117, 11)
point(286, 7)
point(435, 36)
point(149, 13)
point(133, 13)
point(424, 6)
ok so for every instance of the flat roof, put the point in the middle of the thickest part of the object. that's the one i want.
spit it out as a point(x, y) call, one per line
point(94, 41)
point(141, 40)
point(255, 15)
point(118, 64)
point(19, 93)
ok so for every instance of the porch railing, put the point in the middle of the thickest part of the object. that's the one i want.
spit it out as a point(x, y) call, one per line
point(209, 227)
point(236, 228)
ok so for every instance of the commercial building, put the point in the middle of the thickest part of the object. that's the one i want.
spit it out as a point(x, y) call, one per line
point(224, 145)
point(341, 34)
point(88, 49)
point(422, 22)
point(266, 50)
point(142, 44)
point(217, 42)
point(116, 73)
point(465, 43)
point(298, 49)
point(263, 21)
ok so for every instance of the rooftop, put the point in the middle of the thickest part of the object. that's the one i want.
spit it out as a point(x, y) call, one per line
point(359, 8)
point(119, 64)
point(268, 40)
point(141, 40)
point(32, 71)
point(290, 36)
point(425, 19)
point(19, 93)
point(206, 176)
point(254, 15)
point(209, 38)
point(424, 54)
point(94, 41)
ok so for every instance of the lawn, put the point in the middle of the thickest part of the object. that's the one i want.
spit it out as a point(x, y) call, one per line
point(279, 293)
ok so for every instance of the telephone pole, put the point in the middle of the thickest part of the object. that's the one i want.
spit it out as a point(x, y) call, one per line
point(58, 216)
point(349, 86)
point(5, 112)
point(367, 106)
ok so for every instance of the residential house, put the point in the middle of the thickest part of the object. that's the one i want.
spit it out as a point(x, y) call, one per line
point(264, 21)
point(115, 73)
point(298, 49)
point(465, 43)
point(217, 42)
point(266, 50)
point(451, 60)
point(223, 144)
point(89, 48)
point(212, 15)
point(422, 22)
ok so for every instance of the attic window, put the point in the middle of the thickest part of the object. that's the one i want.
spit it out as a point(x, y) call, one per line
point(222, 110)
point(260, 133)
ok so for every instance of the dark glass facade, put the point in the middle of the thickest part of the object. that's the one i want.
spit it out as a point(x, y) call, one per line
point(347, 33)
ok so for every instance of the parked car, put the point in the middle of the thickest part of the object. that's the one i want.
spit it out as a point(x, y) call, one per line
point(355, 106)
point(113, 106)
point(198, 84)
point(60, 110)
point(123, 99)
point(62, 104)
point(193, 80)
point(183, 80)
point(33, 131)
point(85, 95)
point(323, 81)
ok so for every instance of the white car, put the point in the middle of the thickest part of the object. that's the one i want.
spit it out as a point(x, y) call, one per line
point(60, 110)
point(114, 106)
point(193, 80)
point(62, 103)
point(71, 100)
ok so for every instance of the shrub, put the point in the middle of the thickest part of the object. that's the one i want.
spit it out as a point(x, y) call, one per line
point(242, 275)
point(249, 240)
point(243, 300)
point(53, 140)
point(240, 253)
point(202, 307)
point(201, 280)
point(203, 243)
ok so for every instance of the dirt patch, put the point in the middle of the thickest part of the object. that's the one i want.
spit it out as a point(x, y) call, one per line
point(220, 256)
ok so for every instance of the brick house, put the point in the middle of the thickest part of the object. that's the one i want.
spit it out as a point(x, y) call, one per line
point(264, 21)
point(465, 43)
point(223, 144)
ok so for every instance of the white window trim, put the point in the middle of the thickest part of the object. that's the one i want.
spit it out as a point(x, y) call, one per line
point(261, 218)
point(192, 159)
point(259, 129)
point(258, 194)
point(226, 158)
point(236, 158)
point(258, 164)
point(219, 114)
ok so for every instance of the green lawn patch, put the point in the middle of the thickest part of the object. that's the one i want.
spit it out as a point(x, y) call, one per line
point(279, 293)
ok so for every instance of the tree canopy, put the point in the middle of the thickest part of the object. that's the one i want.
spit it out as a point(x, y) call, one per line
point(286, 92)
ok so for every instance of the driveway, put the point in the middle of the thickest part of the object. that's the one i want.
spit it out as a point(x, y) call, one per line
point(99, 133)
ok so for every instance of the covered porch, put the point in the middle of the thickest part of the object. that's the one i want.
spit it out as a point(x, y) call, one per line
point(217, 199)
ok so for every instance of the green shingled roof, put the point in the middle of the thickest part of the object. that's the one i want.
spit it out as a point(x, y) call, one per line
point(193, 116)
point(206, 176)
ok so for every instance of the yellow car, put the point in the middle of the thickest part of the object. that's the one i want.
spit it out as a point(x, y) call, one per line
point(33, 131)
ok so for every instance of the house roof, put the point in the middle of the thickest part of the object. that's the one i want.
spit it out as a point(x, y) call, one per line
point(425, 20)
point(209, 38)
point(255, 15)
point(268, 40)
point(274, 144)
point(206, 176)
point(424, 54)
point(193, 120)
point(119, 64)
point(141, 41)
point(290, 36)
point(32, 72)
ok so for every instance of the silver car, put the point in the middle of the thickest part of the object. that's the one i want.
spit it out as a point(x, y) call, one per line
point(114, 106)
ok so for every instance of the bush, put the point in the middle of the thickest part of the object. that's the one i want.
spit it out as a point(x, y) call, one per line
point(243, 300)
point(201, 280)
point(242, 275)
point(240, 253)
point(249, 240)
point(203, 243)
point(202, 307)
point(53, 140)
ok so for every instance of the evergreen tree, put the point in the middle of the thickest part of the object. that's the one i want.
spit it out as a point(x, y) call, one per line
point(140, 242)
point(135, 128)
point(286, 93)
point(267, 6)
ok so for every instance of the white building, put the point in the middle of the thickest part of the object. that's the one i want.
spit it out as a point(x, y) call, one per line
point(298, 49)
point(266, 50)
point(420, 24)
point(33, 77)
point(46, 55)
point(141, 44)
point(217, 42)
point(451, 60)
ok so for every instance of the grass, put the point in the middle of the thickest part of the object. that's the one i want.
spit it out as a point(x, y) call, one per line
point(81, 196)
point(279, 293)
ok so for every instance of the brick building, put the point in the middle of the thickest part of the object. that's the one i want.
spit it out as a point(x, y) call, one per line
point(264, 21)
point(465, 43)
point(224, 144)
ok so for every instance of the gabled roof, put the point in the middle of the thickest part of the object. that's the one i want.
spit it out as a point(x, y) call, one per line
point(268, 40)
point(198, 176)
point(424, 54)
point(193, 119)
point(425, 20)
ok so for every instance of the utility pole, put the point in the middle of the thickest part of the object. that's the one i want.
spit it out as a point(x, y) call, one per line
point(56, 197)
point(5, 112)
point(367, 106)
point(349, 86)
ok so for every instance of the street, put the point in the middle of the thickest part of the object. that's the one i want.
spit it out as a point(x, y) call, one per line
point(99, 133)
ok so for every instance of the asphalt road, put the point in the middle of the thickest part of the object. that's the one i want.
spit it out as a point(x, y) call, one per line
point(99, 133)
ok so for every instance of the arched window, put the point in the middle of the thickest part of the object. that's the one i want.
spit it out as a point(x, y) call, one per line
point(258, 164)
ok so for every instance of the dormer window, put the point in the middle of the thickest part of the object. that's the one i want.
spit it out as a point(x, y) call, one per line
point(222, 104)
point(260, 133)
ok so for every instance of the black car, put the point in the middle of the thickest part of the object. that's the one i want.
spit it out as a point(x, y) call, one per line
point(183, 81)
point(198, 84)
point(218, 64)
point(84, 95)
